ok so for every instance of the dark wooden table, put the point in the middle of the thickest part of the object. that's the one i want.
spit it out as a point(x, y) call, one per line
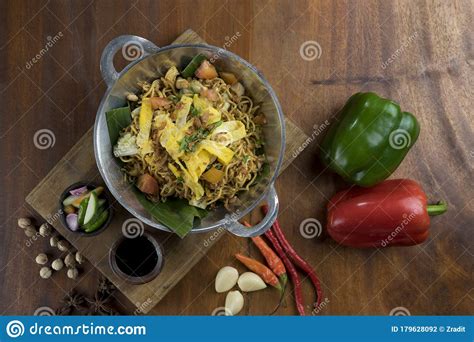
point(417, 52)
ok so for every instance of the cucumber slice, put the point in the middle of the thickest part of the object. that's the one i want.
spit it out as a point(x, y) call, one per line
point(82, 211)
point(91, 208)
point(193, 65)
point(93, 219)
point(101, 202)
point(69, 200)
point(97, 222)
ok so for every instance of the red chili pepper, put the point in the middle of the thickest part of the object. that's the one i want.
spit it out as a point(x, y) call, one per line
point(299, 261)
point(392, 213)
point(272, 259)
point(263, 271)
point(295, 278)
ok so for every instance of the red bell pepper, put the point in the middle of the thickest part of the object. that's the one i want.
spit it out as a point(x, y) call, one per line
point(392, 213)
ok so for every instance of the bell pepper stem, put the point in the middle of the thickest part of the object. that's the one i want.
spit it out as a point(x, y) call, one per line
point(437, 209)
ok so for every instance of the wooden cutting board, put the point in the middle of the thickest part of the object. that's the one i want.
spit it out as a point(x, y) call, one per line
point(180, 254)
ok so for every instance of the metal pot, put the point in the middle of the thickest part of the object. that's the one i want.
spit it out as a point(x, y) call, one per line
point(154, 62)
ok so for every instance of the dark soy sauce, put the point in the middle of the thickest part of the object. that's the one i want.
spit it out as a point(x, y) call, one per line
point(136, 257)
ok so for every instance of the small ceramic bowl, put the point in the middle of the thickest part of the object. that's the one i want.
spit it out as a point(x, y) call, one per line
point(103, 195)
point(152, 274)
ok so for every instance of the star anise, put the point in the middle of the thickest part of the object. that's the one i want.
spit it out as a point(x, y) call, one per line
point(72, 301)
point(63, 311)
point(99, 305)
point(105, 287)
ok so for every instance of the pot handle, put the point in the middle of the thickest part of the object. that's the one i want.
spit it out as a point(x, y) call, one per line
point(133, 48)
point(239, 229)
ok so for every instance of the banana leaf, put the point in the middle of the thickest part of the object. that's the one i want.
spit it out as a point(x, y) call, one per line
point(117, 119)
point(175, 213)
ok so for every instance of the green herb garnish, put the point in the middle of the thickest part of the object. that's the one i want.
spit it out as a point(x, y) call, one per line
point(264, 172)
point(189, 142)
point(183, 143)
point(216, 124)
point(194, 111)
point(173, 98)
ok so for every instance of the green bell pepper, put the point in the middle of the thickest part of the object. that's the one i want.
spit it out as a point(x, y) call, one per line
point(370, 139)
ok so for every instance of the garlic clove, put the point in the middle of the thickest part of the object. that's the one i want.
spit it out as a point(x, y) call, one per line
point(226, 279)
point(234, 302)
point(250, 281)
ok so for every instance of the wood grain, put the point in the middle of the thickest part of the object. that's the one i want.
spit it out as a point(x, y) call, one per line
point(430, 75)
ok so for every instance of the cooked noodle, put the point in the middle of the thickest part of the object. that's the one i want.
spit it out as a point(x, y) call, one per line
point(238, 175)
